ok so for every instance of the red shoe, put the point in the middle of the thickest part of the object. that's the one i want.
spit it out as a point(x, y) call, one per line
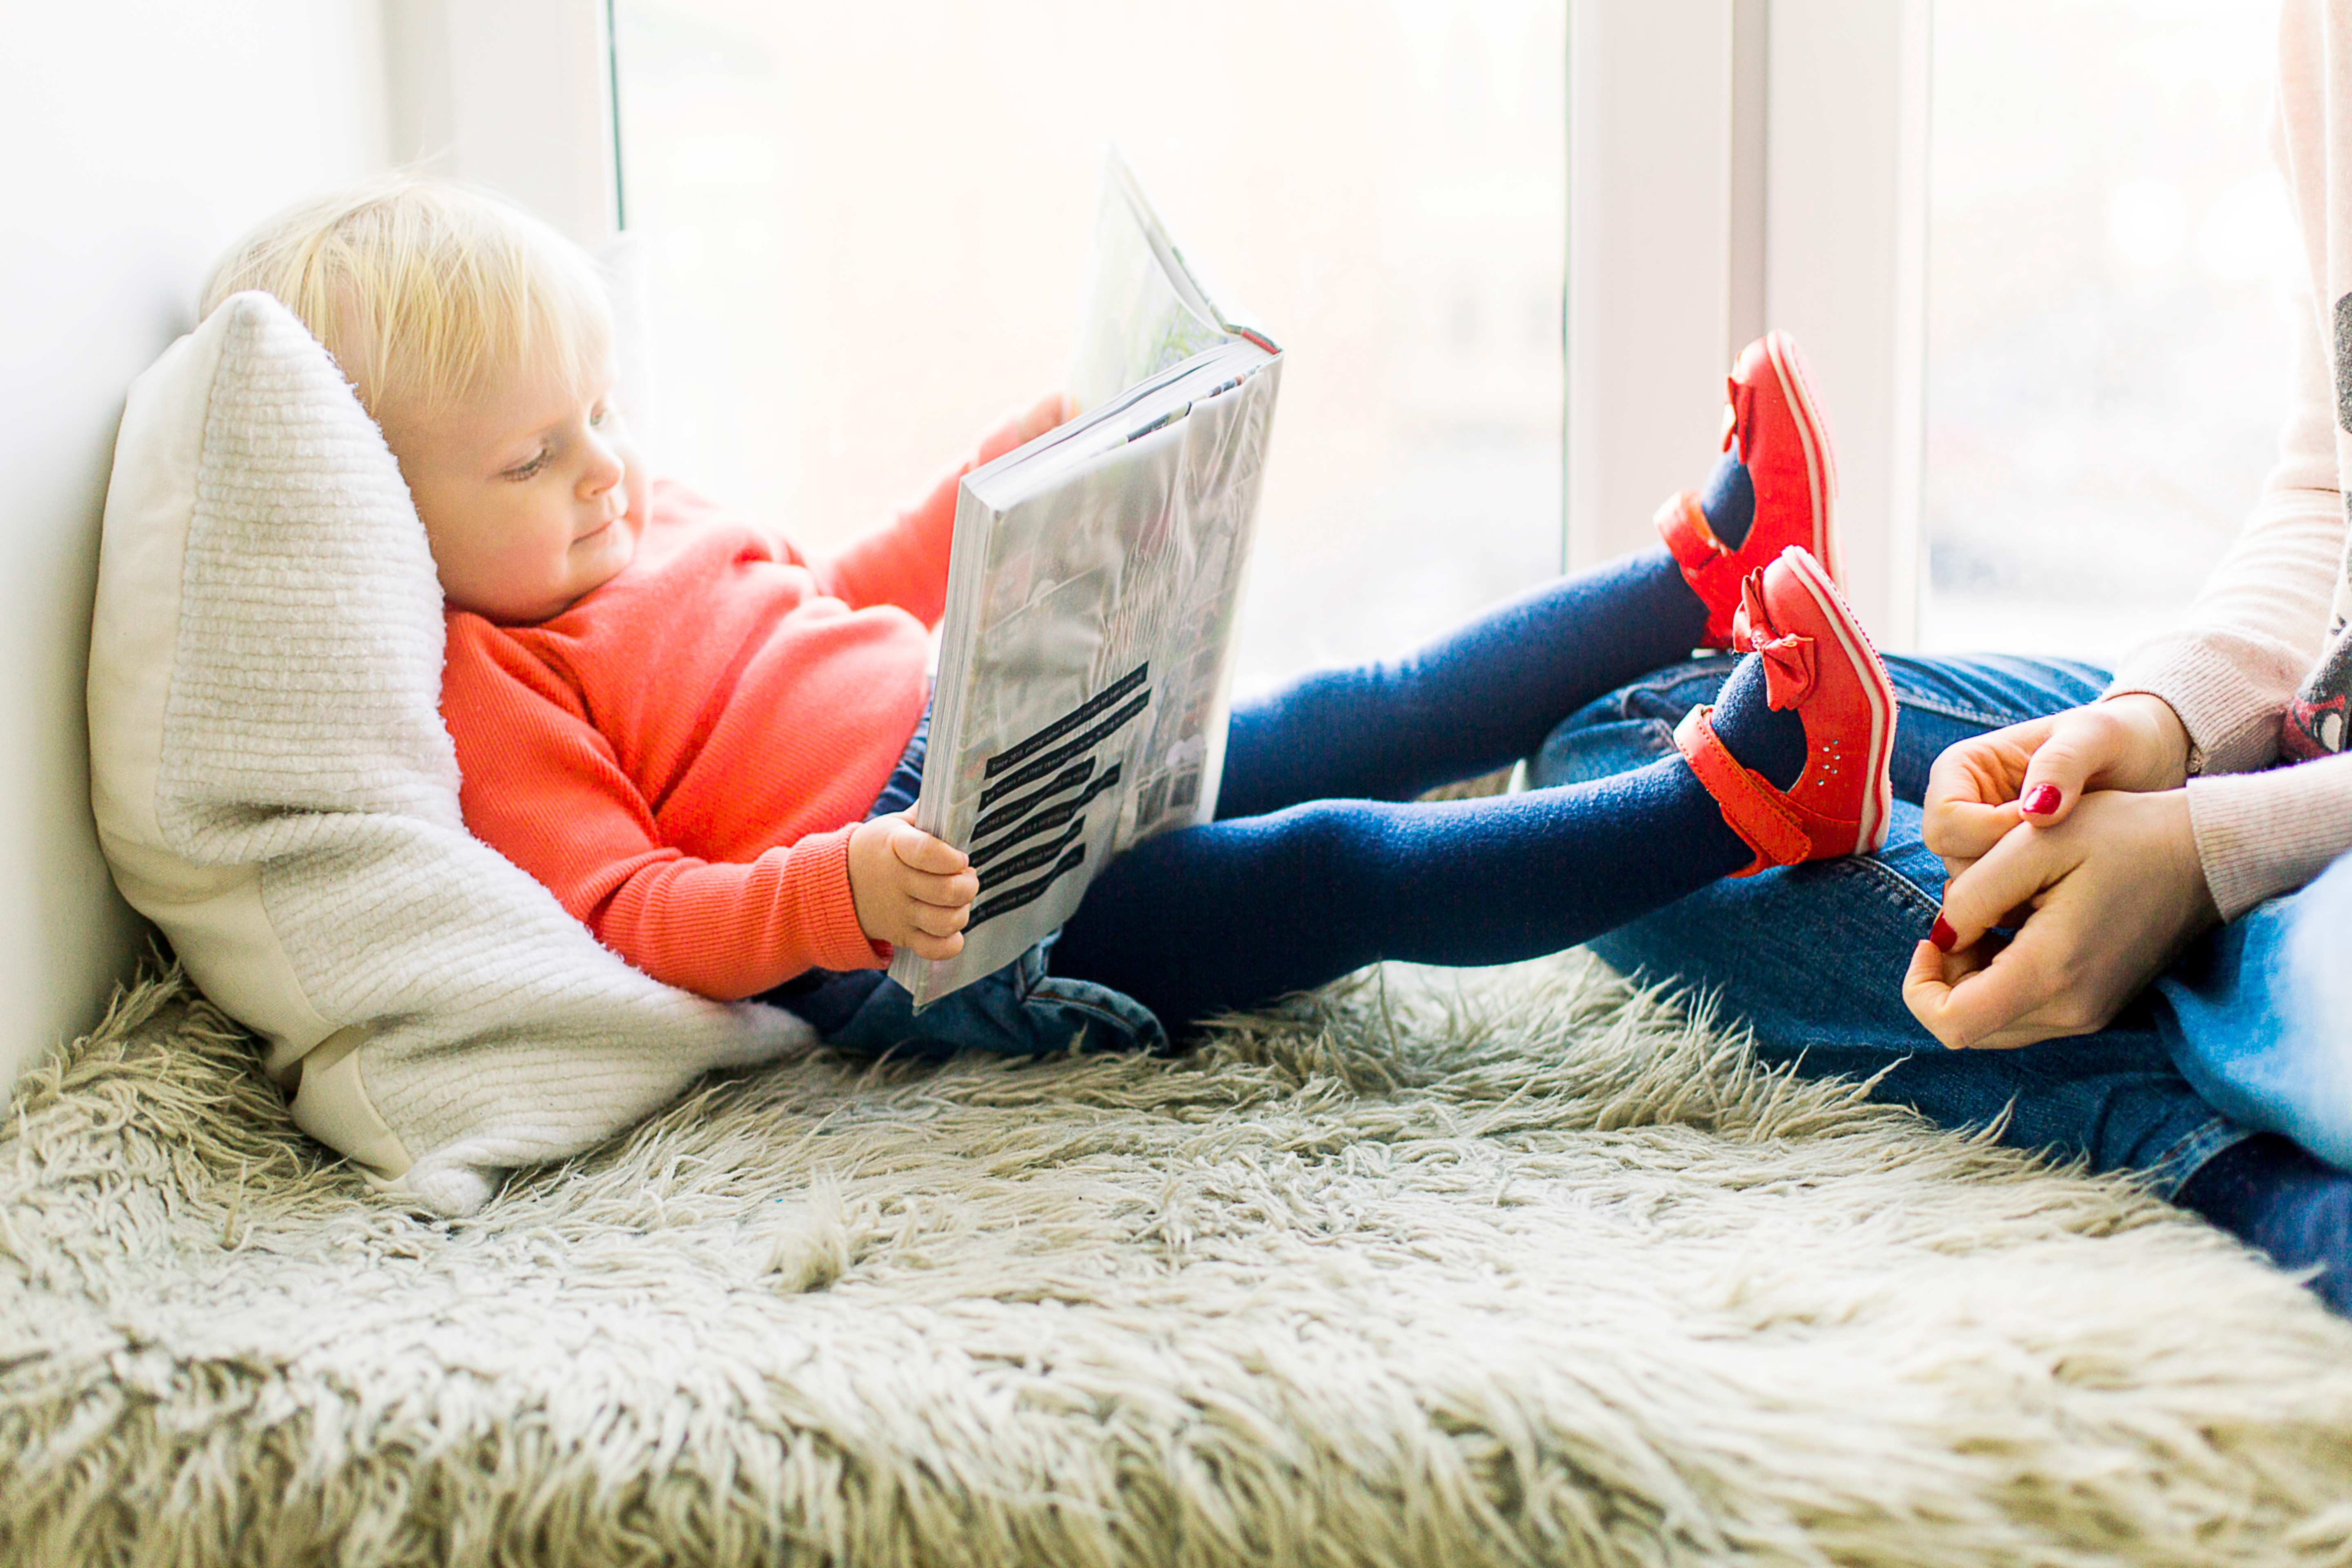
point(1817, 660)
point(1775, 427)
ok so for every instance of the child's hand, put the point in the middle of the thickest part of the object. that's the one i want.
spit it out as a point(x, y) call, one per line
point(1046, 413)
point(911, 890)
point(1040, 417)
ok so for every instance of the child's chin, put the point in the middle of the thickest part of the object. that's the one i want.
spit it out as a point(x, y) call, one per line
point(609, 555)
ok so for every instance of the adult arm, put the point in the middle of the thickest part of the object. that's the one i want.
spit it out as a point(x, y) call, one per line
point(2108, 890)
point(2227, 673)
point(2258, 625)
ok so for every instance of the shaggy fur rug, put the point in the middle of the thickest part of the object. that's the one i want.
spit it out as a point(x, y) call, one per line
point(1516, 1267)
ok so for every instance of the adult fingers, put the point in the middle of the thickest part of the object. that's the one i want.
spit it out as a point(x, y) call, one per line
point(1927, 986)
point(2086, 745)
point(1972, 1004)
point(1967, 806)
point(2010, 875)
point(1959, 832)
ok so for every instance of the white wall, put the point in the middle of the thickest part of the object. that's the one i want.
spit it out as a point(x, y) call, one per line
point(142, 137)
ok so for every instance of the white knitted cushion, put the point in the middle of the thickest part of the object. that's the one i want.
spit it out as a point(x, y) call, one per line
point(274, 788)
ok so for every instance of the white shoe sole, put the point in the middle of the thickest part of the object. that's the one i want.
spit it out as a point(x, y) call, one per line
point(1820, 466)
point(1879, 800)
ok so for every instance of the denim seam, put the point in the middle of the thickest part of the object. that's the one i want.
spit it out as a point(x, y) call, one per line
point(2189, 1155)
point(1943, 708)
point(1904, 891)
point(1051, 989)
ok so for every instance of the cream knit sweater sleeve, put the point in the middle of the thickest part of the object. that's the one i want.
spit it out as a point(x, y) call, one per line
point(2254, 629)
point(2263, 618)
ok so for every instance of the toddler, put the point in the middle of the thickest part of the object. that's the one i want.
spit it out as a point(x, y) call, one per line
point(703, 739)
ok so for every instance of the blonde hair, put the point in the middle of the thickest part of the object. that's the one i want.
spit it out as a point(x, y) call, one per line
point(426, 291)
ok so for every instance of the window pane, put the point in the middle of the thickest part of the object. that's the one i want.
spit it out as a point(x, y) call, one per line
point(2106, 356)
point(869, 221)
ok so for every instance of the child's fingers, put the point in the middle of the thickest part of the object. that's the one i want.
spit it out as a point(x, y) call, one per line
point(954, 892)
point(934, 921)
point(917, 851)
point(924, 946)
point(1044, 415)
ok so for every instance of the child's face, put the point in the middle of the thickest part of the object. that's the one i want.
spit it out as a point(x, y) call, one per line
point(530, 494)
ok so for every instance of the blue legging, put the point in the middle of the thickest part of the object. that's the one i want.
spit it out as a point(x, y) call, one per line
point(1321, 860)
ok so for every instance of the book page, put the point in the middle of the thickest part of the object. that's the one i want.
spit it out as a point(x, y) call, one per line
point(1139, 312)
point(1082, 701)
point(1094, 593)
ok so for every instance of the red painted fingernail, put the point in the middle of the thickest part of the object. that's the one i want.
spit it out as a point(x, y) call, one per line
point(1943, 935)
point(2039, 801)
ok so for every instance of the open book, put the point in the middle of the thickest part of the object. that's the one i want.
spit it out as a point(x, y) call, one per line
point(1094, 593)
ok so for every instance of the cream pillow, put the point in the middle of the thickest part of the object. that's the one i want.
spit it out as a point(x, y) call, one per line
point(274, 788)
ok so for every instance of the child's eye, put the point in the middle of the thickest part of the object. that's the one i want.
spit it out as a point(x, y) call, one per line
point(530, 469)
point(596, 420)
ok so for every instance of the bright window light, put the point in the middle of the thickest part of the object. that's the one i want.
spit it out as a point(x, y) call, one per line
point(2109, 260)
point(868, 222)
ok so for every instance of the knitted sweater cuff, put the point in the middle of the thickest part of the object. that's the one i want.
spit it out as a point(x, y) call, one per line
point(2232, 720)
point(823, 913)
point(2260, 835)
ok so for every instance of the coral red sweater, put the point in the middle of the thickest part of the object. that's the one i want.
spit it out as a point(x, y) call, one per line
point(680, 756)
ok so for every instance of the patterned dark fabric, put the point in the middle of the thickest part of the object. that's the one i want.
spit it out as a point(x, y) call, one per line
point(2314, 723)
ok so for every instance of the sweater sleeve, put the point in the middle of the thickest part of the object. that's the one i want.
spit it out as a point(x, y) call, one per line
point(2263, 834)
point(544, 788)
point(2260, 621)
point(905, 562)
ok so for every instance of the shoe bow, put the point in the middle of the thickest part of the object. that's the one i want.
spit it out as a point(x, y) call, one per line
point(1788, 657)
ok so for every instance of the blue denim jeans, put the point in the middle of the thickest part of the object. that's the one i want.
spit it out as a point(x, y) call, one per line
point(2258, 1018)
point(1813, 955)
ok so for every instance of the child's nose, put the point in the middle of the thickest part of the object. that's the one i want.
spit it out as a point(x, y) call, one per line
point(603, 471)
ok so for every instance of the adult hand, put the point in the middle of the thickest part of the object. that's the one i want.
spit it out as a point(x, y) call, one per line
point(2036, 771)
point(911, 890)
point(2111, 893)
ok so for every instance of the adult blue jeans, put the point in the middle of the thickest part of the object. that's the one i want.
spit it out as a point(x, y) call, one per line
point(2258, 1017)
point(2244, 1032)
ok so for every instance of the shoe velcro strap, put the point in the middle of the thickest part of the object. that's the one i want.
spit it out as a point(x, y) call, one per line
point(1683, 525)
point(1752, 806)
point(1713, 572)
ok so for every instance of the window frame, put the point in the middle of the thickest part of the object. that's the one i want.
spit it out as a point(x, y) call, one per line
point(1734, 163)
point(516, 95)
